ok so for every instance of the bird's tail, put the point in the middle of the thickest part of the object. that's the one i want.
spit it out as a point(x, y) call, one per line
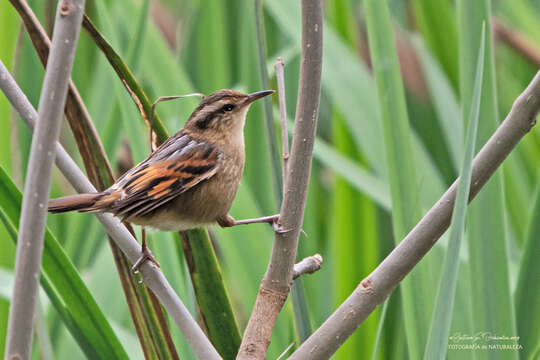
point(81, 203)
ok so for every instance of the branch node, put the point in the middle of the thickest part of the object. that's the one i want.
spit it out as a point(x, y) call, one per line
point(366, 284)
point(307, 266)
point(65, 8)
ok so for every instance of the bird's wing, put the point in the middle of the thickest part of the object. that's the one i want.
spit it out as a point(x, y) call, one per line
point(176, 166)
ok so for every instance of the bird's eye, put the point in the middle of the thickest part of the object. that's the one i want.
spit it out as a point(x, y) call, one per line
point(228, 107)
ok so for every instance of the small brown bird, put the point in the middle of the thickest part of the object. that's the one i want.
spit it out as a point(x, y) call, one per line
point(190, 181)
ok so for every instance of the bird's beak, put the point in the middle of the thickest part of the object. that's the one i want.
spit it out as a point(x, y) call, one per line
point(257, 95)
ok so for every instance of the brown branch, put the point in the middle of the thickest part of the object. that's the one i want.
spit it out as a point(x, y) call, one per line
point(307, 266)
point(374, 289)
point(517, 41)
point(276, 283)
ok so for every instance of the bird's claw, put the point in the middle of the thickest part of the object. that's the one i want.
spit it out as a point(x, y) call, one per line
point(146, 255)
point(273, 221)
point(277, 227)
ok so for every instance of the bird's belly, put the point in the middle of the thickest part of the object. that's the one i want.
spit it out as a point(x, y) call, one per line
point(165, 221)
point(196, 208)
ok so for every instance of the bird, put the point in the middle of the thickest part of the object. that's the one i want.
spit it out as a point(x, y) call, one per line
point(190, 181)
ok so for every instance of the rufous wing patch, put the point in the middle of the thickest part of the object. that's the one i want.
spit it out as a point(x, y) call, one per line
point(154, 183)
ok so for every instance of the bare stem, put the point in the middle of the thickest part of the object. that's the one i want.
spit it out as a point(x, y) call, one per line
point(37, 186)
point(374, 289)
point(280, 77)
point(151, 275)
point(276, 283)
point(307, 266)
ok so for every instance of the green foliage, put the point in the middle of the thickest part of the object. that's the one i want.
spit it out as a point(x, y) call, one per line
point(527, 298)
point(63, 285)
point(492, 305)
point(440, 323)
point(373, 176)
point(399, 161)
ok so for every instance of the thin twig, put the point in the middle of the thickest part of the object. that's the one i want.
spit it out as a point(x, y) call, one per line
point(151, 275)
point(276, 283)
point(374, 289)
point(307, 265)
point(301, 316)
point(37, 185)
point(154, 141)
point(153, 135)
point(123, 73)
point(280, 77)
point(517, 41)
point(267, 104)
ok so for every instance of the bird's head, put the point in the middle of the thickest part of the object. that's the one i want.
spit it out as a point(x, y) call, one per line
point(223, 113)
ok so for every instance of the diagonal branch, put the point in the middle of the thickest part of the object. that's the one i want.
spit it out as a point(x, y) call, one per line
point(374, 289)
point(151, 275)
point(276, 283)
point(37, 185)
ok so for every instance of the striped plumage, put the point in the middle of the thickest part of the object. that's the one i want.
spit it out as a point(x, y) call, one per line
point(189, 181)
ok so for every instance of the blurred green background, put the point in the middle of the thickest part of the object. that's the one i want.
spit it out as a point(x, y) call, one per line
point(202, 46)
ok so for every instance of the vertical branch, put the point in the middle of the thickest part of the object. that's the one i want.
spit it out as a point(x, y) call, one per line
point(301, 317)
point(280, 77)
point(143, 313)
point(276, 283)
point(36, 190)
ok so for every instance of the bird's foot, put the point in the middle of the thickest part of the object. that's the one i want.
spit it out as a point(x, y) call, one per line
point(146, 255)
point(274, 223)
point(272, 220)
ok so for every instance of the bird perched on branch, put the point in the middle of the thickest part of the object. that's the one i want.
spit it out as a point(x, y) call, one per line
point(190, 181)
